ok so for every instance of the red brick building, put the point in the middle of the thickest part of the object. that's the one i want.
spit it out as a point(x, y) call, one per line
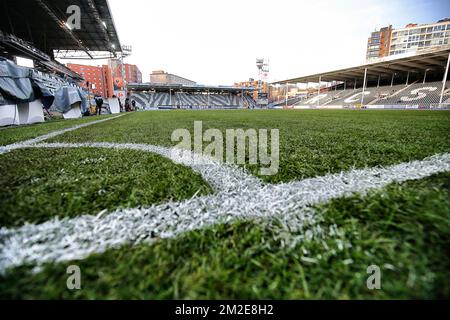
point(132, 74)
point(99, 78)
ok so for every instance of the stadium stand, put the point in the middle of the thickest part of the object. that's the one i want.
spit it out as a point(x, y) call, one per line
point(417, 94)
point(217, 99)
point(371, 94)
point(140, 99)
point(325, 97)
point(290, 101)
point(414, 94)
point(411, 81)
point(150, 96)
point(249, 102)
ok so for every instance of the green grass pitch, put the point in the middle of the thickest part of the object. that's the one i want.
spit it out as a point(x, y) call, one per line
point(404, 228)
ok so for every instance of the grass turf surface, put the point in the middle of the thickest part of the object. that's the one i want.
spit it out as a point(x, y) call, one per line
point(38, 184)
point(312, 142)
point(14, 134)
point(404, 229)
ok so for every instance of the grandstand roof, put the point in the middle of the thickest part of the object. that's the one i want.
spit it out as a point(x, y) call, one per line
point(43, 23)
point(179, 87)
point(417, 63)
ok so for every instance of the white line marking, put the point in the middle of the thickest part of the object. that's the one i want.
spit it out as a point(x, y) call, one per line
point(66, 239)
point(22, 144)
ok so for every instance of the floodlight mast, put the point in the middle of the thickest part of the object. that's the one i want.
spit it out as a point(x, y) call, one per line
point(263, 69)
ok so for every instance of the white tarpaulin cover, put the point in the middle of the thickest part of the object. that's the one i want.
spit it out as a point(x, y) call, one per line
point(114, 105)
point(30, 112)
point(74, 112)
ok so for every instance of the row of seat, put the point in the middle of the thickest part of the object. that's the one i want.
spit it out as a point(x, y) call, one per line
point(158, 99)
point(413, 94)
point(418, 93)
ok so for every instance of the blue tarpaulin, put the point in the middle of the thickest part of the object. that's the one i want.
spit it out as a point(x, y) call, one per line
point(15, 82)
point(19, 84)
point(84, 100)
point(46, 95)
point(65, 97)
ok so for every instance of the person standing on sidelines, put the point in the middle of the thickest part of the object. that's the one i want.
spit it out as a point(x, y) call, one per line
point(127, 105)
point(99, 103)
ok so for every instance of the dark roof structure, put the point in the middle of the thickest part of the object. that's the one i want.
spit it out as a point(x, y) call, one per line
point(43, 24)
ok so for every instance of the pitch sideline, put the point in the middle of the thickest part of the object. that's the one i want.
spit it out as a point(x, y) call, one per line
point(239, 196)
point(22, 144)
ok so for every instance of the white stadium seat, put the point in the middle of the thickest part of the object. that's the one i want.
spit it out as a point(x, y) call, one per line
point(414, 94)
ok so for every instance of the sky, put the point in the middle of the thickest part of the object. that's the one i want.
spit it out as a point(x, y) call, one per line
point(217, 42)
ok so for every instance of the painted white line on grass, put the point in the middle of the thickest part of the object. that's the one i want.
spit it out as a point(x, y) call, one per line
point(18, 145)
point(59, 240)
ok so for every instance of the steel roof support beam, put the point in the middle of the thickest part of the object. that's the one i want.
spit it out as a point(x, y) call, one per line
point(444, 80)
point(408, 64)
point(318, 91)
point(364, 86)
point(396, 67)
point(81, 55)
point(434, 62)
point(63, 26)
point(101, 26)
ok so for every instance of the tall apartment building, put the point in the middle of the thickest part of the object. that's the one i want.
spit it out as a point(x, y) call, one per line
point(379, 43)
point(416, 38)
point(99, 78)
point(412, 39)
point(161, 77)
